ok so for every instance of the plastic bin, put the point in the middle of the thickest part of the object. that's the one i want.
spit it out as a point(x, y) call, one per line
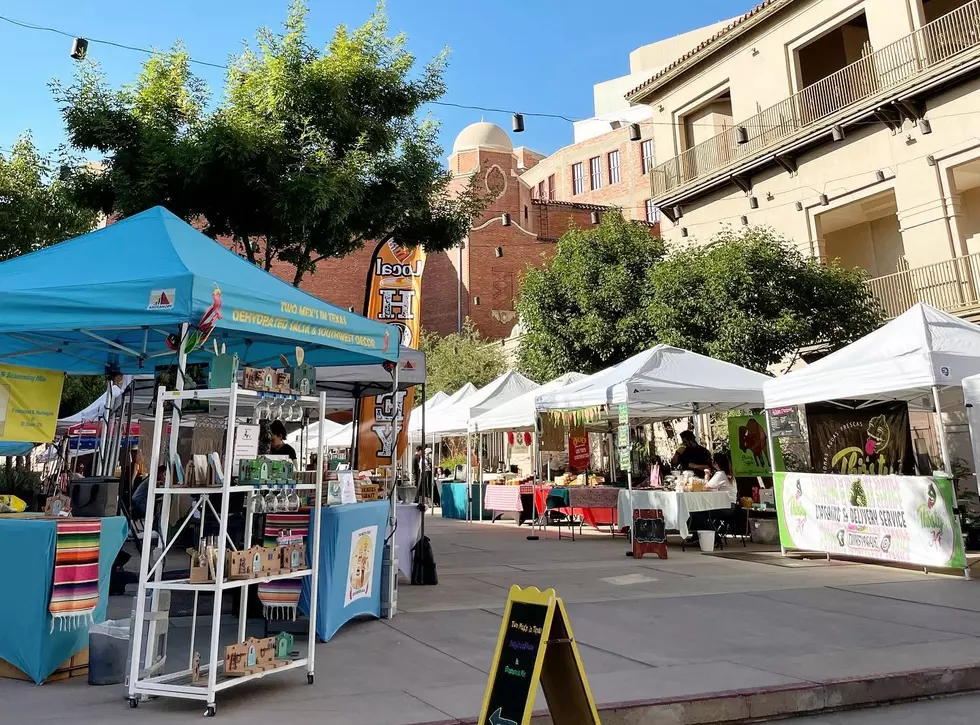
point(108, 645)
point(706, 538)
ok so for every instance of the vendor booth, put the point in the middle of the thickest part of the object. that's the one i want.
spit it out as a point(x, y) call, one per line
point(453, 419)
point(662, 383)
point(859, 502)
point(193, 302)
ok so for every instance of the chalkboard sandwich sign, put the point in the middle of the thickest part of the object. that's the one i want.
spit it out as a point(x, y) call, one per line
point(536, 646)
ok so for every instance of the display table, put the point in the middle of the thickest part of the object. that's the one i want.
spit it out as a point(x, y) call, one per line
point(454, 501)
point(351, 545)
point(676, 506)
point(407, 535)
point(26, 639)
point(503, 499)
point(595, 504)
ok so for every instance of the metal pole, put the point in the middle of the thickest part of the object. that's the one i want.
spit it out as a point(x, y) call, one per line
point(535, 469)
point(469, 476)
point(479, 471)
point(422, 462)
point(99, 468)
point(772, 462)
point(629, 488)
point(947, 462)
point(392, 513)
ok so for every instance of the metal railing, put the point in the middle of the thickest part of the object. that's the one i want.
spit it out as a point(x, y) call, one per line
point(875, 73)
point(953, 286)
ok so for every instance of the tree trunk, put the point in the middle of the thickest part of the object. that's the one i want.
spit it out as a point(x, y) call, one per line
point(247, 246)
point(268, 256)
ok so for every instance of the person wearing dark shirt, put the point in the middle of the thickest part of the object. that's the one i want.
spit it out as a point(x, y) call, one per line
point(279, 446)
point(691, 455)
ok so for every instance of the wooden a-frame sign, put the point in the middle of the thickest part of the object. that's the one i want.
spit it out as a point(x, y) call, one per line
point(535, 646)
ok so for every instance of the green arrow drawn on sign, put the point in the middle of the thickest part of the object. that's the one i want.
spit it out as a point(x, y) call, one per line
point(498, 719)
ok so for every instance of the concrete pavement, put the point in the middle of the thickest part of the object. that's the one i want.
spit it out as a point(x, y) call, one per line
point(959, 710)
point(693, 639)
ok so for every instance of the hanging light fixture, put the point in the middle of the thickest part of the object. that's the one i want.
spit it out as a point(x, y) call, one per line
point(517, 122)
point(505, 219)
point(925, 128)
point(79, 48)
point(753, 202)
point(741, 134)
point(837, 133)
point(634, 132)
point(745, 221)
point(498, 252)
point(824, 200)
point(799, 206)
point(595, 217)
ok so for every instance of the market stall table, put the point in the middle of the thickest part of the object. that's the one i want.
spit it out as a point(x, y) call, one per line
point(503, 499)
point(454, 501)
point(351, 545)
point(27, 639)
point(407, 534)
point(676, 505)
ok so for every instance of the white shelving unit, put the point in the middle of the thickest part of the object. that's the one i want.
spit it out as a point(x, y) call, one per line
point(212, 679)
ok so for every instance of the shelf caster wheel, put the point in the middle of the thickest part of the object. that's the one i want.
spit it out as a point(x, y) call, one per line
point(211, 711)
point(309, 678)
point(134, 702)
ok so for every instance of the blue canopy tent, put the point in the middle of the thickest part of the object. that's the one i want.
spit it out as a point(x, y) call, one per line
point(113, 296)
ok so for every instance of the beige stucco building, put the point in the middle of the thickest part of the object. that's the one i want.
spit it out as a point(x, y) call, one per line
point(850, 126)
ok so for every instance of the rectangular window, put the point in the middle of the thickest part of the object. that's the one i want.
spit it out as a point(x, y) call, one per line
point(595, 173)
point(646, 151)
point(541, 189)
point(578, 179)
point(614, 167)
point(551, 188)
point(652, 213)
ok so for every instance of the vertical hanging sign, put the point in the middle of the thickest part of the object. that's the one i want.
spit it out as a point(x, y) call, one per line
point(394, 296)
point(623, 438)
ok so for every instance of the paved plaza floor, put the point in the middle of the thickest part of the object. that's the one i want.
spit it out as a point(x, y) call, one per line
point(687, 628)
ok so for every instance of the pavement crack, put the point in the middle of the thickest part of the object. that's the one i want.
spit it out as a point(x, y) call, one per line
point(436, 649)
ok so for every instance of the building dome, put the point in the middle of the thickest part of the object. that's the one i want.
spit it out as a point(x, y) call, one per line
point(482, 135)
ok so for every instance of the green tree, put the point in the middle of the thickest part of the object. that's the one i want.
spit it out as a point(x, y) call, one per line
point(463, 357)
point(79, 392)
point(310, 153)
point(750, 298)
point(586, 309)
point(36, 207)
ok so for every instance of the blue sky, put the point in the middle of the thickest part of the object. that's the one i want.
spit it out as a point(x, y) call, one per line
point(525, 55)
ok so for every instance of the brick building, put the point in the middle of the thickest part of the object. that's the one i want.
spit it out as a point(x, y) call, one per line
point(480, 279)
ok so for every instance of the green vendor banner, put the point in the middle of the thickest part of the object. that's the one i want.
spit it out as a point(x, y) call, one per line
point(905, 519)
point(749, 447)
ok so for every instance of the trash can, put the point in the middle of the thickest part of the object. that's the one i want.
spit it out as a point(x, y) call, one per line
point(108, 645)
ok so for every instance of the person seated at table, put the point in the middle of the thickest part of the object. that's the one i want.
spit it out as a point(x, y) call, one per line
point(721, 480)
point(691, 455)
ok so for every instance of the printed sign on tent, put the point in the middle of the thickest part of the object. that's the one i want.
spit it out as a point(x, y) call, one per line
point(29, 401)
point(872, 440)
point(749, 447)
point(394, 296)
point(359, 570)
point(907, 519)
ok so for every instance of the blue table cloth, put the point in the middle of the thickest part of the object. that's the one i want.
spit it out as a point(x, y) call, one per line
point(351, 546)
point(454, 501)
point(26, 639)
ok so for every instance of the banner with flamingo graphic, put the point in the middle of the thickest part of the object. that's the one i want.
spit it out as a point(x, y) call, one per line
point(905, 519)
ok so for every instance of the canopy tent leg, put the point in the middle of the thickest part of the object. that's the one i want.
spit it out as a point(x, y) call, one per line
point(535, 473)
point(947, 462)
point(99, 468)
point(479, 472)
point(392, 497)
point(772, 462)
point(629, 488)
point(469, 476)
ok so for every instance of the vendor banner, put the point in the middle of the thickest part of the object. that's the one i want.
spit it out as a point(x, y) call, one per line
point(394, 296)
point(872, 440)
point(749, 446)
point(578, 449)
point(29, 402)
point(905, 519)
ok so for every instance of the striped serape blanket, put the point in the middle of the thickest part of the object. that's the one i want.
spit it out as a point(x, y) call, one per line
point(75, 589)
point(280, 598)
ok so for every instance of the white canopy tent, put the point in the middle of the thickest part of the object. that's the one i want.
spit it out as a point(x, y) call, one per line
point(311, 434)
point(415, 417)
point(520, 413)
point(663, 382)
point(454, 419)
point(914, 354)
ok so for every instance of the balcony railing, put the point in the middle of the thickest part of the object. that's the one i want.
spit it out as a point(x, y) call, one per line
point(953, 286)
point(878, 72)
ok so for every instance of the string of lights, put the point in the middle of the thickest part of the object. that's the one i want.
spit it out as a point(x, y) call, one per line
point(81, 44)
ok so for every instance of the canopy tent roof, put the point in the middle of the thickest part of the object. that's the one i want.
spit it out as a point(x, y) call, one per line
point(415, 417)
point(902, 360)
point(454, 419)
point(346, 383)
point(663, 382)
point(309, 436)
point(343, 437)
point(519, 413)
point(112, 296)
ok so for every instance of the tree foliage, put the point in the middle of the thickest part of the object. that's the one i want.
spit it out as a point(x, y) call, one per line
point(310, 153)
point(465, 357)
point(79, 392)
point(751, 298)
point(36, 207)
point(747, 297)
point(586, 309)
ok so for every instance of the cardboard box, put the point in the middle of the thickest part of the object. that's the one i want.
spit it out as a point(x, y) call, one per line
point(76, 666)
